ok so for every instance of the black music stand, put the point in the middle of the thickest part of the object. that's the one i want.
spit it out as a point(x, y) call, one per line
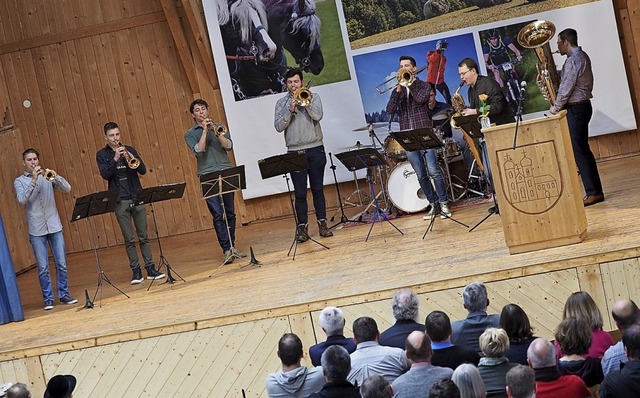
point(470, 125)
point(158, 194)
point(283, 165)
point(92, 205)
point(365, 158)
point(423, 139)
point(221, 182)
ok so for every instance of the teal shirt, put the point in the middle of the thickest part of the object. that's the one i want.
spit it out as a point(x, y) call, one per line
point(214, 158)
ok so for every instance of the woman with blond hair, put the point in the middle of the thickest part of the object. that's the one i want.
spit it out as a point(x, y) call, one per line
point(580, 305)
point(493, 367)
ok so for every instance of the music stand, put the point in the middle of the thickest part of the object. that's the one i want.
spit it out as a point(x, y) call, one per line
point(222, 182)
point(150, 196)
point(423, 139)
point(365, 158)
point(282, 165)
point(470, 125)
point(92, 205)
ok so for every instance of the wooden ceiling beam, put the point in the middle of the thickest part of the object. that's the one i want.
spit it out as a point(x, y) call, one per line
point(171, 13)
point(199, 32)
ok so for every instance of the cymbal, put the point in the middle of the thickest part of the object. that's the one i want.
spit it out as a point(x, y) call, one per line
point(443, 114)
point(358, 145)
point(371, 126)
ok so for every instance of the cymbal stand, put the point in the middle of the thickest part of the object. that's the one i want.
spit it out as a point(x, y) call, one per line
point(378, 214)
point(343, 218)
point(361, 193)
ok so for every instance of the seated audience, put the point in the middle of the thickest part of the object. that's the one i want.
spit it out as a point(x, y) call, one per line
point(574, 338)
point(582, 306)
point(405, 311)
point(336, 365)
point(625, 313)
point(370, 358)
point(332, 323)
point(521, 382)
point(469, 381)
point(467, 331)
point(293, 380)
point(626, 381)
point(418, 380)
point(516, 323)
point(60, 386)
point(493, 367)
point(376, 387)
point(549, 382)
point(18, 390)
point(444, 388)
point(438, 327)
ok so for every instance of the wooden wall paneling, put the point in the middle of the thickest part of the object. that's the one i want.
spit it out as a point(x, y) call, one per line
point(591, 282)
point(620, 281)
point(13, 98)
point(97, 363)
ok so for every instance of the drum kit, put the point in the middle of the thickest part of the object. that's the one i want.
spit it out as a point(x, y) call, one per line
point(398, 186)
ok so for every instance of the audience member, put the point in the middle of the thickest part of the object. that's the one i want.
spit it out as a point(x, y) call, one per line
point(293, 380)
point(60, 386)
point(336, 365)
point(516, 323)
point(332, 323)
point(582, 306)
point(521, 382)
point(469, 381)
point(376, 387)
point(370, 358)
point(493, 367)
point(438, 327)
point(626, 381)
point(18, 390)
point(467, 331)
point(625, 313)
point(405, 311)
point(418, 380)
point(549, 382)
point(444, 388)
point(574, 338)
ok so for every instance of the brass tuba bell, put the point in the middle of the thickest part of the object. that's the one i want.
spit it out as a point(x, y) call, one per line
point(536, 35)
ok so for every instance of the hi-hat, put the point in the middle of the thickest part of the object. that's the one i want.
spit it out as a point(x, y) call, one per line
point(443, 114)
point(358, 145)
point(371, 126)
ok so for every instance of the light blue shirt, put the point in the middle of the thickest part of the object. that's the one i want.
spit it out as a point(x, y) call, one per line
point(42, 214)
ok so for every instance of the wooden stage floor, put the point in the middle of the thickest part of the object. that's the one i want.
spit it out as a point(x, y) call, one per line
point(351, 271)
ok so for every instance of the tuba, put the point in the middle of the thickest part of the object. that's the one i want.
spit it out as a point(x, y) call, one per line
point(302, 96)
point(536, 35)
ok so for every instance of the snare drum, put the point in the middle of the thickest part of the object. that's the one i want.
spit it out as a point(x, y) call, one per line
point(393, 150)
point(404, 189)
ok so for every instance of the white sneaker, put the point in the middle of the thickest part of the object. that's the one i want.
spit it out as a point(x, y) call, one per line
point(444, 211)
point(429, 215)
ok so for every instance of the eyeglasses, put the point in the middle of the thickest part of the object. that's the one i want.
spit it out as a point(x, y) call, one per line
point(462, 74)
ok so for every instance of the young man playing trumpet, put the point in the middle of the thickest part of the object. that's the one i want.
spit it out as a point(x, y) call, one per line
point(210, 144)
point(299, 119)
point(121, 166)
point(35, 191)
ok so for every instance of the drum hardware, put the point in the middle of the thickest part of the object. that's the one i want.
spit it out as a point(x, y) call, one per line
point(487, 174)
point(343, 218)
point(357, 145)
point(444, 114)
point(371, 126)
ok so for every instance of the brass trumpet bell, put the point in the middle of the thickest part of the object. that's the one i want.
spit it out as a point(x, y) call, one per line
point(302, 96)
point(50, 175)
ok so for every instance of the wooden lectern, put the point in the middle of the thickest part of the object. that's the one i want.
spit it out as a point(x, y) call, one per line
point(537, 184)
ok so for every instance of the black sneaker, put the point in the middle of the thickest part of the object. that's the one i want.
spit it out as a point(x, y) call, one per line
point(68, 300)
point(137, 276)
point(48, 305)
point(153, 274)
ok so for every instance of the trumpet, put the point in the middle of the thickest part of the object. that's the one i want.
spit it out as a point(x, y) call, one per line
point(218, 129)
point(302, 96)
point(131, 161)
point(49, 175)
point(403, 77)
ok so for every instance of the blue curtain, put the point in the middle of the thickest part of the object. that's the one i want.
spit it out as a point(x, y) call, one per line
point(10, 305)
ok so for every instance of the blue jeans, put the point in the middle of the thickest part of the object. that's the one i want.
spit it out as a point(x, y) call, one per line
point(578, 117)
point(56, 242)
point(124, 214)
point(317, 161)
point(425, 164)
point(215, 205)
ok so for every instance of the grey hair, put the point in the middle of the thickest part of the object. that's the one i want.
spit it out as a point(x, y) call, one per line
point(375, 387)
point(332, 320)
point(521, 381)
point(336, 363)
point(541, 354)
point(18, 390)
point(405, 305)
point(467, 378)
point(474, 296)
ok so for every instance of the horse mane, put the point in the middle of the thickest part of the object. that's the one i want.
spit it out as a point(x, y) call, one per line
point(241, 14)
point(311, 22)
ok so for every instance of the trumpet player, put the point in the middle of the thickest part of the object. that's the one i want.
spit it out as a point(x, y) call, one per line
point(410, 103)
point(115, 165)
point(302, 131)
point(35, 192)
point(210, 147)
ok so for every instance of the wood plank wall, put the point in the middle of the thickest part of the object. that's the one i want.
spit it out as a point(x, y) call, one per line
point(84, 63)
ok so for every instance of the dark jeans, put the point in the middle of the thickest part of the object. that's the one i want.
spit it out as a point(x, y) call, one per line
point(215, 205)
point(317, 161)
point(578, 117)
point(124, 214)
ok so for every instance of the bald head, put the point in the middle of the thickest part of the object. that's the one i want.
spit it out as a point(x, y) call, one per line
point(541, 354)
point(418, 347)
point(625, 313)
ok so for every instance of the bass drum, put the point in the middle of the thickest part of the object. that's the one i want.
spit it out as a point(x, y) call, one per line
point(404, 190)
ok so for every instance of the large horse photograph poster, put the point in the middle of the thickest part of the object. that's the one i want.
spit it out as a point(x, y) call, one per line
point(349, 53)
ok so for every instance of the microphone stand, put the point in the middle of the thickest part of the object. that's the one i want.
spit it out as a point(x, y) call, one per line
point(523, 86)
